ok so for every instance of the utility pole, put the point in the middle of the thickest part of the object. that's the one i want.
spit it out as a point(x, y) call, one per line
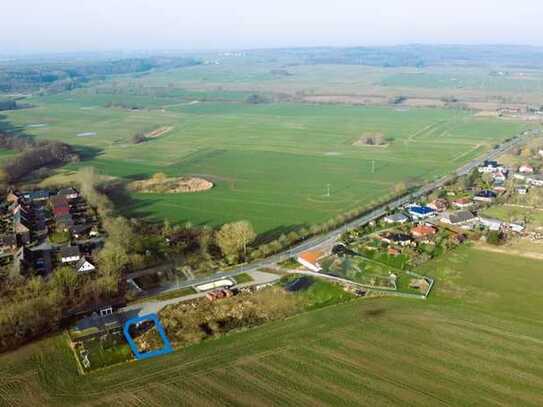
point(328, 190)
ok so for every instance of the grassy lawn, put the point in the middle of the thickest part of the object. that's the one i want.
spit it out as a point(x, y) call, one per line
point(534, 217)
point(468, 344)
point(243, 278)
point(271, 163)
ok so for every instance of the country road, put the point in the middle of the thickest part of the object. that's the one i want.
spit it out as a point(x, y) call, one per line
point(332, 236)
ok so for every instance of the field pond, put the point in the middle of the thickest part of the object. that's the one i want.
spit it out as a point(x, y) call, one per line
point(271, 163)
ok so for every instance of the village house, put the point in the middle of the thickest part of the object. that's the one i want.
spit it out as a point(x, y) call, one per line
point(420, 212)
point(439, 205)
point(69, 254)
point(491, 224)
point(490, 166)
point(520, 177)
point(423, 231)
point(535, 180)
point(68, 193)
point(79, 231)
point(396, 218)
point(522, 190)
point(526, 169)
point(458, 218)
point(485, 196)
point(9, 243)
point(84, 266)
point(310, 260)
point(400, 239)
point(36, 196)
point(462, 203)
point(516, 227)
point(500, 176)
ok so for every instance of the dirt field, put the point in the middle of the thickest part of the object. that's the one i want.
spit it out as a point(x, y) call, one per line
point(171, 185)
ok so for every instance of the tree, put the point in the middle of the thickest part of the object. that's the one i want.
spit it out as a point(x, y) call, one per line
point(233, 238)
point(65, 280)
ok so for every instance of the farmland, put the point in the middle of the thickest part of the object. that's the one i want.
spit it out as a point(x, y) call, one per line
point(476, 341)
point(271, 163)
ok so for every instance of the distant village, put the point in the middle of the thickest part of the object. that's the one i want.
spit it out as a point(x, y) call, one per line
point(45, 229)
point(429, 227)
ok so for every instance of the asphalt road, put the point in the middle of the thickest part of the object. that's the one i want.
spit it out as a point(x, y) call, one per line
point(332, 236)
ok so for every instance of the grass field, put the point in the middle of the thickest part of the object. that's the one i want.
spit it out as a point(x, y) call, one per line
point(271, 163)
point(476, 341)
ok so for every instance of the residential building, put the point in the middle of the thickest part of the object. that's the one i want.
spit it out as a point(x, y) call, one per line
point(420, 212)
point(485, 196)
point(535, 180)
point(491, 224)
point(458, 218)
point(462, 203)
point(423, 231)
point(69, 193)
point(84, 266)
point(526, 169)
point(522, 190)
point(70, 254)
point(396, 238)
point(439, 205)
point(396, 218)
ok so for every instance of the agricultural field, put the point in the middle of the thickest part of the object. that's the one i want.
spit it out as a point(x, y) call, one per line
point(271, 163)
point(475, 341)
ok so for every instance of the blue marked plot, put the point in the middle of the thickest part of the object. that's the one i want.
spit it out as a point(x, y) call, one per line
point(166, 345)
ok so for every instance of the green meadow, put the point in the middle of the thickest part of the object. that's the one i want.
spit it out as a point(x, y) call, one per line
point(271, 163)
point(476, 341)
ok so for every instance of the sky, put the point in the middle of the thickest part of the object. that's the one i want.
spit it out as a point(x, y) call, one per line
point(28, 26)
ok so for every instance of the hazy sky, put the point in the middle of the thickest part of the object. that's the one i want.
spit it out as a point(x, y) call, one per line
point(71, 25)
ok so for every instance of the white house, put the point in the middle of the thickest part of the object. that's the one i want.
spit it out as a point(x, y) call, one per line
point(526, 169)
point(516, 227)
point(462, 203)
point(84, 266)
point(523, 190)
point(499, 176)
point(396, 218)
point(492, 224)
point(70, 254)
point(536, 180)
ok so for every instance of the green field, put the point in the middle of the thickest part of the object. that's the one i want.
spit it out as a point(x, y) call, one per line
point(475, 341)
point(271, 163)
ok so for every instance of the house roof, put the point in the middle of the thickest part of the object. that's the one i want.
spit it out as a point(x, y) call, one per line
point(79, 228)
point(311, 256)
point(67, 191)
point(423, 230)
point(82, 262)
point(9, 239)
point(41, 194)
point(59, 202)
point(397, 237)
point(421, 210)
point(486, 194)
point(396, 217)
point(69, 251)
point(460, 217)
point(463, 201)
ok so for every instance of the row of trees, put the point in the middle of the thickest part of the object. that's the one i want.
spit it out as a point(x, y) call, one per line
point(35, 157)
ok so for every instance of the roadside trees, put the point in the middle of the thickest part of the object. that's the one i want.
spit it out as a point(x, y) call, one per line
point(233, 238)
